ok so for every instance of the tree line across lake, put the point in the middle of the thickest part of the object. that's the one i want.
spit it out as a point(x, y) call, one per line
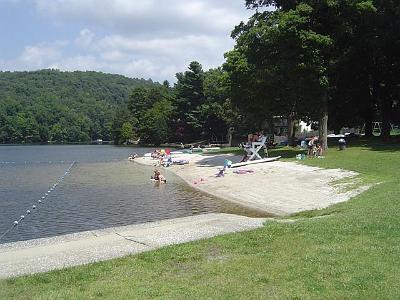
point(331, 63)
point(50, 105)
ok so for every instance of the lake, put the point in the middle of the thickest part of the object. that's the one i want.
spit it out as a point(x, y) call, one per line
point(103, 190)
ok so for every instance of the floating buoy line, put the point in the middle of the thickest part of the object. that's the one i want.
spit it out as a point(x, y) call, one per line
point(31, 162)
point(35, 206)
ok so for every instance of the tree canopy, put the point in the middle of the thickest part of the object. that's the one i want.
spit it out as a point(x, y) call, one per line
point(307, 58)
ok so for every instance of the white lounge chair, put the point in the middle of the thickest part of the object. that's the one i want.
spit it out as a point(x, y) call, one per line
point(255, 148)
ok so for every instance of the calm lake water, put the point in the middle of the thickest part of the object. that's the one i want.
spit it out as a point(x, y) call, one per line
point(102, 190)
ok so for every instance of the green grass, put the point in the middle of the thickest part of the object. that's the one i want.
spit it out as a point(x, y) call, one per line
point(350, 250)
point(395, 131)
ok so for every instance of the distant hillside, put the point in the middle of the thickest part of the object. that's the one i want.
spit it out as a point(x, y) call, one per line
point(60, 106)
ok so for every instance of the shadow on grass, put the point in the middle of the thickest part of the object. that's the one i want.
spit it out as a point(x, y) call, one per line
point(286, 152)
point(375, 143)
point(372, 143)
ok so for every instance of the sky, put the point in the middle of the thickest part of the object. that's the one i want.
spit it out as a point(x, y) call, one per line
point(136, 38)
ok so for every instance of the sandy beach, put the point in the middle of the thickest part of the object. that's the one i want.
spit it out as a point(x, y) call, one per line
point(280, 188)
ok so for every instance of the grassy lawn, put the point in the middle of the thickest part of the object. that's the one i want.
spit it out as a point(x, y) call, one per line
point(349, 250)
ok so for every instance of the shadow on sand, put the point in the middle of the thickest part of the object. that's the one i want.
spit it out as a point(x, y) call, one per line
point(217, 160)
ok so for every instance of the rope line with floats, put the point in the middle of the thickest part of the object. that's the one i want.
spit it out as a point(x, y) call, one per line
point(31, 162)
point(40, 201)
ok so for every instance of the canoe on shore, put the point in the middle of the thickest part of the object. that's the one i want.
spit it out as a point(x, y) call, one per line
point(210, 149)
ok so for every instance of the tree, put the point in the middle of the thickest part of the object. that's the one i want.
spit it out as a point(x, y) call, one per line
point(121, 116)
point(155, 125)
point(386, 58)
point(126, 132)
point(58, 133)
point(364, 64)
point(139, 102)
point(279, 65)
point(189, 96)
point(149, 112)
point(217, 114)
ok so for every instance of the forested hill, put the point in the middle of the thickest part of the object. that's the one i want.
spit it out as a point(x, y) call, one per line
point(50, 105)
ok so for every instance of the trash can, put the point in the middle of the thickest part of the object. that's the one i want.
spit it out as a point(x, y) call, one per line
point(342, 144)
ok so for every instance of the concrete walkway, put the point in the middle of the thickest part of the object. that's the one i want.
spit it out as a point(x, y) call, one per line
point(41, 255)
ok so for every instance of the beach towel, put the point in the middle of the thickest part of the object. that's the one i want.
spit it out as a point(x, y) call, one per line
point(243, 171)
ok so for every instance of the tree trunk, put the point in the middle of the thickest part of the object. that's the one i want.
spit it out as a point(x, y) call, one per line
point(323, 125)
point(386, 109)
point(386, 127)
point(368, 126)
point(372, 98)
point(230, 134)
point(291, 131)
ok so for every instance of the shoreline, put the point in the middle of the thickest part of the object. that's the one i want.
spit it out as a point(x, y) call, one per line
point(277, 188)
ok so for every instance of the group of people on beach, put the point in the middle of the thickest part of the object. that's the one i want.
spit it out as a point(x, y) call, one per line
point(156, 154)
point(163, 157)
point(314, 147)
point(255, 137)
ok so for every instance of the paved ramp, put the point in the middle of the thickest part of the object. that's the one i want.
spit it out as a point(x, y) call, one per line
point(41, 255)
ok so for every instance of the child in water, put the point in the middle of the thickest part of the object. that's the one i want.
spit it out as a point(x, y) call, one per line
point(133, 156)
point(158, 177)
